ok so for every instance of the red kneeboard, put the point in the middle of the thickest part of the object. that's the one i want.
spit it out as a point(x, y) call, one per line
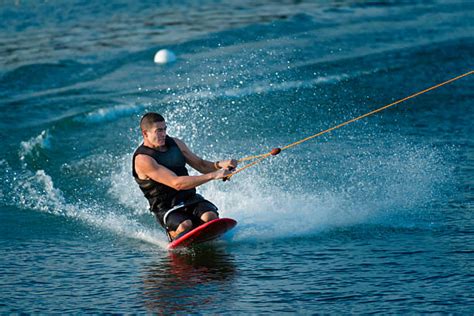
point(206, 232)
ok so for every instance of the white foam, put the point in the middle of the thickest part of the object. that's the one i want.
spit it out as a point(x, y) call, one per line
point(264, 211)
point(125, 190)
point(379, 187)
point(43, 140)
point(374, 187)
point(37, 192)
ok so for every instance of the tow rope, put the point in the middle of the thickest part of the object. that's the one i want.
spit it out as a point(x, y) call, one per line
point(275, 151)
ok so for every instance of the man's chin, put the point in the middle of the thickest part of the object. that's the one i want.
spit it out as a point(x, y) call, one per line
point(157, 145)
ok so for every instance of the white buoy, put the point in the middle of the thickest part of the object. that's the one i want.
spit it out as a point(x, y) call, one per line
point(164, 56)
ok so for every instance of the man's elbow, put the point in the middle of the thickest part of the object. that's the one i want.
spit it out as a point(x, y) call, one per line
point(178, 185)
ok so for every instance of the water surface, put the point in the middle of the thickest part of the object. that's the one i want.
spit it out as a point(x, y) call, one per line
point(375, 217)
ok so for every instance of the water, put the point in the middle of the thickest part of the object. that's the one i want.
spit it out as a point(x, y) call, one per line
point(375, 217)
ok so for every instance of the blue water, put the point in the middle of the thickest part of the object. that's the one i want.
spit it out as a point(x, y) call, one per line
point(375, 217)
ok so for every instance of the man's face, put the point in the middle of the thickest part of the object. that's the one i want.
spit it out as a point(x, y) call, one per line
point(156, 135)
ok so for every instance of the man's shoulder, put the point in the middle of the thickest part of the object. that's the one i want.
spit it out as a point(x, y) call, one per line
point(143, 158)
point(145, 162)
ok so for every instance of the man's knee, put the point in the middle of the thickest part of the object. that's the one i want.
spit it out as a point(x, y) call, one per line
point(209, 216)
point(185, 225)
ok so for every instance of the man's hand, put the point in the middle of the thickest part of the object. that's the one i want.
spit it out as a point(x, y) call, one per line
point(221, 174)
point(230, 164)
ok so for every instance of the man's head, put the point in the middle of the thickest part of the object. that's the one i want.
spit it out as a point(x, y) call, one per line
point(153, 128)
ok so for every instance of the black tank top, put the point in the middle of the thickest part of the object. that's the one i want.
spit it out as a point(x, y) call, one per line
point(162, 197)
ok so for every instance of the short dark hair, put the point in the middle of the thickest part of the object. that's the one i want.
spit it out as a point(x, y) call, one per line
point(149, 119)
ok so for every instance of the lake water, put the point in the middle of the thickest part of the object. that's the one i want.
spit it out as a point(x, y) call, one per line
point(375, 217)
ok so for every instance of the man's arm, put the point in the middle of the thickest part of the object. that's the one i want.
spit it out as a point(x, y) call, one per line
point(201, 165)
point(147, 168)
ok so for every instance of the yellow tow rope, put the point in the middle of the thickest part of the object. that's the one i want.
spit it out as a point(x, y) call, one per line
point(276, 151)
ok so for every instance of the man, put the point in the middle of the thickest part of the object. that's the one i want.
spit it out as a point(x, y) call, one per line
point(159, 168)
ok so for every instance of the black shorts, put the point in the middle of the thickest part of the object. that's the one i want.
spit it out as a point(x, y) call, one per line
point(192, 212)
